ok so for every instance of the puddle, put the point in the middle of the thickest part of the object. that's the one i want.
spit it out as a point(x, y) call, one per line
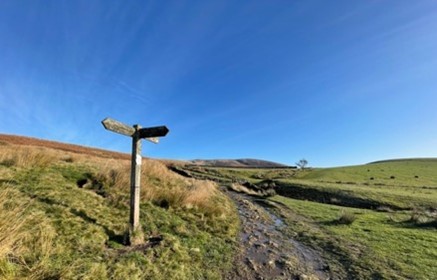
point(277, 221)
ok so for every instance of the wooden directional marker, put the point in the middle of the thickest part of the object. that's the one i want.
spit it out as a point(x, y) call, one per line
point(118, 127)
point(151, 132)
point(137, 133)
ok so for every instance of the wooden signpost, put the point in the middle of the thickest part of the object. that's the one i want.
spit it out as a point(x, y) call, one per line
point(137, 133)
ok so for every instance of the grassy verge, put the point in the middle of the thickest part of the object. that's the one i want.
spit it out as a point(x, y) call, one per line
point(64, 216)
point(372, 245)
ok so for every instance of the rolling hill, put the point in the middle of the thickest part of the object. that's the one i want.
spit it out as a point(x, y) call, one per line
point(238, 163)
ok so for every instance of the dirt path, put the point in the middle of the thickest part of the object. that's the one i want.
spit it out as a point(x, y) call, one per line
point(266, 252)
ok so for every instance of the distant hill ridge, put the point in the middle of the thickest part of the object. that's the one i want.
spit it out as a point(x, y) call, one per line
point(243, 163)
point(404, 160)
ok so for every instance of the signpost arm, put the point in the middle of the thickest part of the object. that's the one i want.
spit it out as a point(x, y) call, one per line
point(135, 232)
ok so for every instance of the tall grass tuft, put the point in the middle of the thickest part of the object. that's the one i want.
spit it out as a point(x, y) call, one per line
point(26, 239)
point(26, 157)
point(346, 218)
point(11, 221)
point(162, 187)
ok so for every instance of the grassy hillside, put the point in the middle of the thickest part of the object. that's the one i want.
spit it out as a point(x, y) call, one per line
point(237, 163)
point(369, 244)
point(377, 221)
point(413, 172)
point(64, 214)
point(400, 184)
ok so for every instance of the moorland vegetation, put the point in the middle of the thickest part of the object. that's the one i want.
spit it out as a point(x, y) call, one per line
point(64, 215)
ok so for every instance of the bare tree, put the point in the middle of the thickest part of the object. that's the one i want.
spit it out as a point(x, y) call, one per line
point(302, 164)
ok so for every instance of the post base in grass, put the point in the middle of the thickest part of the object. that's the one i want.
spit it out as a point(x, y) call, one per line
point(135, 237)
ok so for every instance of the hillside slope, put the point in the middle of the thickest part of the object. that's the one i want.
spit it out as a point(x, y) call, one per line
point(64, 211)
point(77, 149)
point(373, 221)
point(237, 163)
point(410, 172)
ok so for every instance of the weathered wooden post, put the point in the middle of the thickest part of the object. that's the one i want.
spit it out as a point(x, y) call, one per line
point(137, 133)
point(134, 217)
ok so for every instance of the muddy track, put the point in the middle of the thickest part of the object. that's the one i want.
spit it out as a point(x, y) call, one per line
point(266, 252)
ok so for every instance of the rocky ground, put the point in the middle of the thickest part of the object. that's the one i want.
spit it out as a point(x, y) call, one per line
point(268, 253)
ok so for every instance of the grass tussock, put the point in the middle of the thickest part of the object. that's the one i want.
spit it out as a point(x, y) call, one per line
point(346, 218)
point(27, 157)
point(26, 240)
point(162, 187)
point(11, 221)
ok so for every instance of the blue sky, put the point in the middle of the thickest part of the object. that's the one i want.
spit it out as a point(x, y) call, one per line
point(335, 82)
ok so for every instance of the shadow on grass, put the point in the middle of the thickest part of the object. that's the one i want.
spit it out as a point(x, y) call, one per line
point(336, 222)
point(340, 198)
point(118, 239)
point(113, 238)
point(115, 241)
point(419, 225)
point(83, 215)
point(427, 224)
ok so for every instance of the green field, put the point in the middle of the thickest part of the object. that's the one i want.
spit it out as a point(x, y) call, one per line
point(396, 237)
point(372, 221)
point(376, 245)
point(402, 184)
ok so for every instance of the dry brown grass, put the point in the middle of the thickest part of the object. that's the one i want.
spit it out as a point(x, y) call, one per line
point(37, 245)
point(159, 185)
point(240, 188)
point(11, 221)
point(77, 149)
point(26, 239)
point(47, 224)
point(27, 157)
